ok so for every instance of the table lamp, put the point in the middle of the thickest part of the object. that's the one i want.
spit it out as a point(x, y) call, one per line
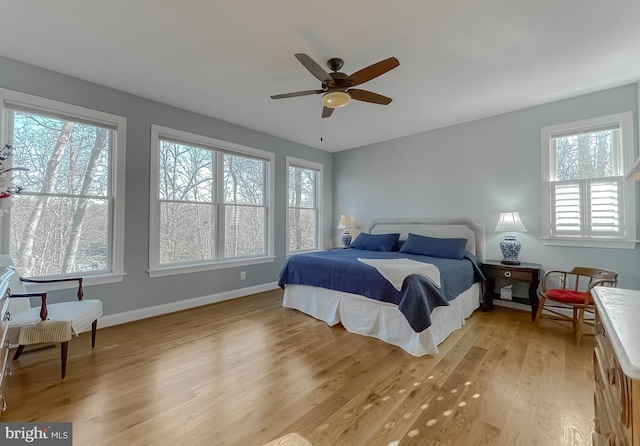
point(345, 223)
point(510, 222)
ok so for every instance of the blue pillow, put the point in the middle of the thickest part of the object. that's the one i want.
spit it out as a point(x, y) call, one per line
point(375, 242)
point(448, 248)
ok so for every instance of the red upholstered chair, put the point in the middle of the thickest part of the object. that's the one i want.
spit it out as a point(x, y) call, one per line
point(566, 296)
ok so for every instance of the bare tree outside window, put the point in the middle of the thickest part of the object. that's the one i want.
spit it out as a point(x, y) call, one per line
point(303, 208)
point(245, 206)
point(585, 155)
point(191, 197)
point(60, 221)
point(187, 192)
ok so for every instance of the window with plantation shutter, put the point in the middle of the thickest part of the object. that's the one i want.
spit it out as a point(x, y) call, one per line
point(586, 199)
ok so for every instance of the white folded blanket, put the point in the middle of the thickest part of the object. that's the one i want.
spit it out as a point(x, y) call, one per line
point(396, 270)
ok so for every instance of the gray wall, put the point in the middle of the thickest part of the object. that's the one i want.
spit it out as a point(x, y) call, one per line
point(479, 169)
point(138, 291)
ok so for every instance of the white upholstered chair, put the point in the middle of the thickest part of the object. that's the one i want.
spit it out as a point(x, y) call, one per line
point(47, 323)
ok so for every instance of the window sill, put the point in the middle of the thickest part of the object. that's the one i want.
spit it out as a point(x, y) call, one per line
point(87, 280)
point(186, 269)
point(290, 254)
point(589, 243)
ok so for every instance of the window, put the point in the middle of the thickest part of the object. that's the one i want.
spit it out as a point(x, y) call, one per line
point(69, 218)
point(303, 205)
point(210, 203)
point(586, 200)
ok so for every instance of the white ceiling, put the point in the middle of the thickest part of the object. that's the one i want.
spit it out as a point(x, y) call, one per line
point(460, 60)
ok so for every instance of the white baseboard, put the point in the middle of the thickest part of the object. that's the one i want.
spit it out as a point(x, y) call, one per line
point(143, 313)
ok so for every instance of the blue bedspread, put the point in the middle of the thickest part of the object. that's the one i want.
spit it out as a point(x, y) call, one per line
point(340, 270)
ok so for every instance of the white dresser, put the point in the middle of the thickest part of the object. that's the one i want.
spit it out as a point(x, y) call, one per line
point(617, 367)
point(4, 342)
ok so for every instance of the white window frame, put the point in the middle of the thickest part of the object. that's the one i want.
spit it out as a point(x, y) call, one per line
point(627, 239)
point(305, 164)
point(155, 268)
point(16, 100)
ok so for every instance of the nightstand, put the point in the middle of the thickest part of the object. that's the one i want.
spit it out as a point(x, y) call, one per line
point(524, 272)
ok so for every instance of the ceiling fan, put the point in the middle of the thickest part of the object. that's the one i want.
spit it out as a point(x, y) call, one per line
point(337, 87)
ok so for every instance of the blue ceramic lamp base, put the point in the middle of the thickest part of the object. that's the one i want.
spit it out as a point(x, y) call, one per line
point(345, 239)
point(510, 248)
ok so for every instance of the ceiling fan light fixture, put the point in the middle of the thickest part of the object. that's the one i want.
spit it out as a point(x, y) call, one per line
point(336, 99)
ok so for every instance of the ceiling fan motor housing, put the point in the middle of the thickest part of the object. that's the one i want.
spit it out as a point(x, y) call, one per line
point(335, 63)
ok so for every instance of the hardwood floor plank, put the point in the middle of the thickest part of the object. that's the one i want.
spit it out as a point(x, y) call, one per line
point(248, 371)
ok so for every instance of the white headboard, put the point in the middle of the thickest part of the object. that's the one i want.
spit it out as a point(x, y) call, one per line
point(467, 228)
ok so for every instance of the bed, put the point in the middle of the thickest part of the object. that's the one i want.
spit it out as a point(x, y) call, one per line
point(417, 312)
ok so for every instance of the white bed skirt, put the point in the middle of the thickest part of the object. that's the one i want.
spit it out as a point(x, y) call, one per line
point(382, 320)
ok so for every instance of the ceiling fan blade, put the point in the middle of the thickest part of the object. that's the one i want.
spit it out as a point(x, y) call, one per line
point(296, 94)
point(326, 112)
point(373, 71)
point(314, 68)
point(368, 96)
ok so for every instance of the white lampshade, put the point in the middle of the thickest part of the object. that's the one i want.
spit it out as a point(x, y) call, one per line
point(634, 174)
point(510, 222)
point(345, 222)
point(335, 99)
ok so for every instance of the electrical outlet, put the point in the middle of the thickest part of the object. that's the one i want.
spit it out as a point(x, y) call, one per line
point(242, 275)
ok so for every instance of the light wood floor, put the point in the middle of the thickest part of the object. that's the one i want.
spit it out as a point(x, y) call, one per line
point(247, 371)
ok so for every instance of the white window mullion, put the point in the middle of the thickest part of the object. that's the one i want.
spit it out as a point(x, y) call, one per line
point(220, 206)
point(585, 204)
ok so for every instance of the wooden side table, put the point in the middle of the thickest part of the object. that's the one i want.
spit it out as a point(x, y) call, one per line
point(524, 272)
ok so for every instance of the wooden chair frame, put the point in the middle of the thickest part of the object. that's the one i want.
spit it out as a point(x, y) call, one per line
point(64, 346)
point(579, 279)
